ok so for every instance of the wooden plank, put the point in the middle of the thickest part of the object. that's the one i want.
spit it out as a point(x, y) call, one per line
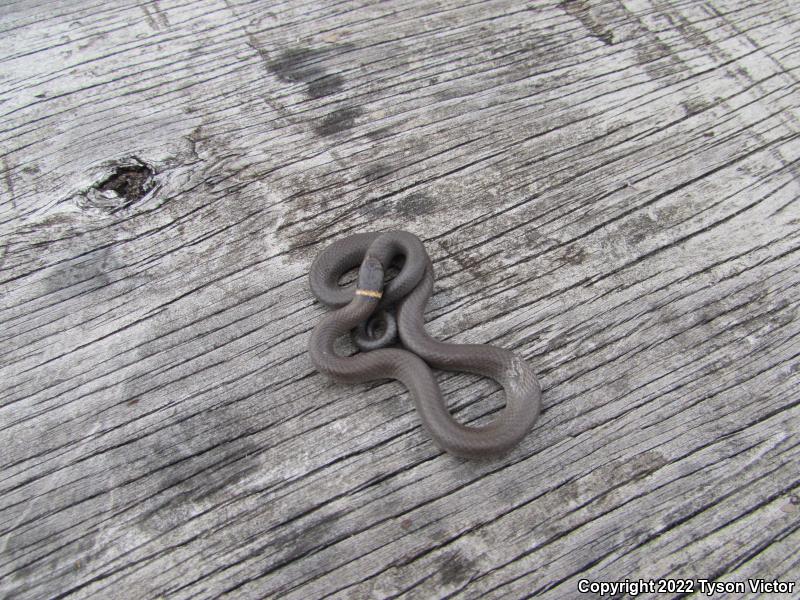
point(608, 188)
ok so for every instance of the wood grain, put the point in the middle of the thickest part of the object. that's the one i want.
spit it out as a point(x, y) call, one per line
point(609, 189)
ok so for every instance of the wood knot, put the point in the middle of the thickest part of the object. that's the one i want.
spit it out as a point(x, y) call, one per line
point(130, 180)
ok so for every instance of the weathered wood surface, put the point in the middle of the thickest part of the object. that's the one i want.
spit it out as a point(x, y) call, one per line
point(608, 188)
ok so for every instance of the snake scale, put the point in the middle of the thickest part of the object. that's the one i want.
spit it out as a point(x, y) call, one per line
point(363, 305)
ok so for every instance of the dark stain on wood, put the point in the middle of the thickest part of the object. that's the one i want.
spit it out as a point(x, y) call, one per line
point(455, 568)
point(307, 65)
point(379, 134)
point(338, 121)
point(598, 29)
point(325, 86)
point(411, 206)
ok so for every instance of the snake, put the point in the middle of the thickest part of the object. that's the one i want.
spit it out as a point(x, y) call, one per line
point(398, 347)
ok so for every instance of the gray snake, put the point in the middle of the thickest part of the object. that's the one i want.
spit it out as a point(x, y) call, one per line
point(409, 292)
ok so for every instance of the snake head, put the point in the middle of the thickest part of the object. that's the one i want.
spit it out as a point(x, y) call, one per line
point(370, 276)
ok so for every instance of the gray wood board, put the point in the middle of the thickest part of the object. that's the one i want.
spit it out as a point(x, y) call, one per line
point(609, 189)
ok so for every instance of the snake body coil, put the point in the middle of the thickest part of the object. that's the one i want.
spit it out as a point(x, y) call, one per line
point(409, 292)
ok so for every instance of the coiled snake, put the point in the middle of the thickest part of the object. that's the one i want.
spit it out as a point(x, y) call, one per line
point(363, 305)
